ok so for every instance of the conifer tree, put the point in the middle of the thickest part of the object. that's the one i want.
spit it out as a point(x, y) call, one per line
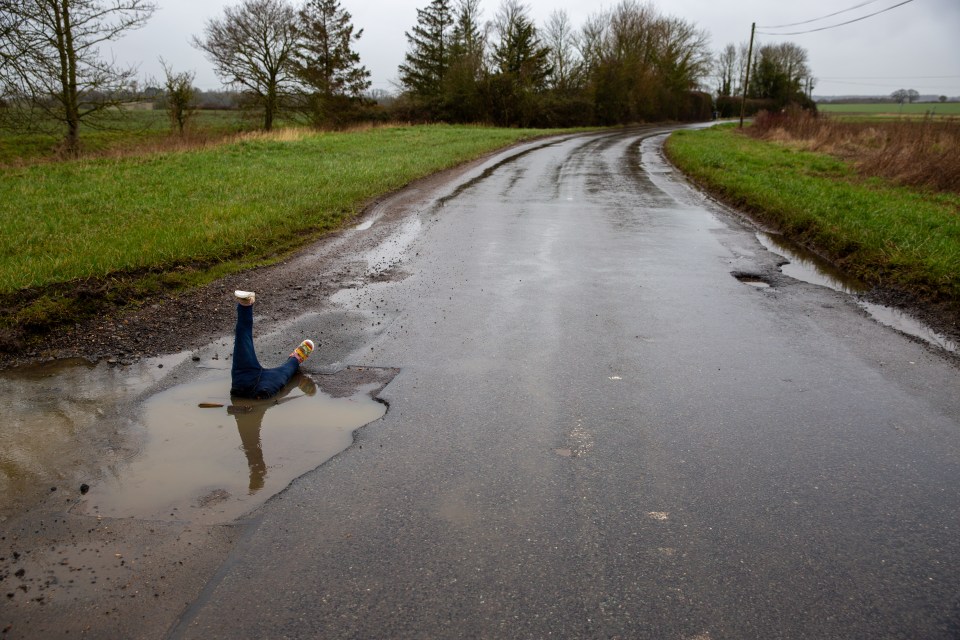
point(325, 60)
point(520, 52)
point(428, 59)
point(461, 87)
point(521, 66)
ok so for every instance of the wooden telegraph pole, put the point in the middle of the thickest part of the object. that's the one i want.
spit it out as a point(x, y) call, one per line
point(746, 80)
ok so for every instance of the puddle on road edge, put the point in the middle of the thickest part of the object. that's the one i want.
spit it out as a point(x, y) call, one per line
point(214, 463)
point(809, 267)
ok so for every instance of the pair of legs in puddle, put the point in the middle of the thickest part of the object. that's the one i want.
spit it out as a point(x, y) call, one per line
point(248, 378)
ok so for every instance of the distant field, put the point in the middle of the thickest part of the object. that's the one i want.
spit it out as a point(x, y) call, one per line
point(128, 130)
point(915, 109)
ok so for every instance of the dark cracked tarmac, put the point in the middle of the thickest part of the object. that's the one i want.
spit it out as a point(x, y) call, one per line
point(614, 417)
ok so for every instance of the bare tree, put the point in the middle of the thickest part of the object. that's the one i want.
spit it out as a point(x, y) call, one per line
point(558, 35)
point(180, 96)
point(682, 54)
point(251, 47)
point(726, 69)
point(51, 71)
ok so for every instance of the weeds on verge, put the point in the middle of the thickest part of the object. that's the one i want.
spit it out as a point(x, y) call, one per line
point(916, 153)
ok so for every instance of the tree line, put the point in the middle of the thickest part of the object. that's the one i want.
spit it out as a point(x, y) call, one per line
point(626, 64)
point(779, 75)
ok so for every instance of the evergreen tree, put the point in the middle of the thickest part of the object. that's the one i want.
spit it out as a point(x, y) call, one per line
point(325, 60)
point(520, 53)
point(467, 40)
point(461, 101)
point(521, 66)
point(779, 74)
point(428, 60)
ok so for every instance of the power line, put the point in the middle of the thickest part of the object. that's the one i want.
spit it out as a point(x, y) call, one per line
point(834, 26)
point(887, 77)
point(829, 15)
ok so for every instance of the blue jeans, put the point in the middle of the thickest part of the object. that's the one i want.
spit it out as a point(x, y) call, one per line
point(249, 379)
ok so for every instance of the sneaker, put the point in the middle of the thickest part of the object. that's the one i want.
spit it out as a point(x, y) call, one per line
point(301, 352)
point(245, 298)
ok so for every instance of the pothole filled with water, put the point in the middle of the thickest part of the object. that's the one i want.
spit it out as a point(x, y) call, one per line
point(808, 267)
point(210, 458)
point(752, 280)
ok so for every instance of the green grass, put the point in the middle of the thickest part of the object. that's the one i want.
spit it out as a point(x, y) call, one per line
point(886, 235)
point(890, 109)
point(84, 219)
point(179, 219)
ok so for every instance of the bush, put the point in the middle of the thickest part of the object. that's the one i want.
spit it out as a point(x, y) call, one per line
point(729, 106)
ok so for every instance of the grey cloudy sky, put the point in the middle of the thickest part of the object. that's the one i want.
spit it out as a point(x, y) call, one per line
point(915, 46)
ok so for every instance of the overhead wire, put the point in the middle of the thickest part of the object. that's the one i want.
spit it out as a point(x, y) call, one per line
point(834, 26)
point(829, 15)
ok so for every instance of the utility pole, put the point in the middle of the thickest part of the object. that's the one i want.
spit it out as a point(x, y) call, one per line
point(746, 80)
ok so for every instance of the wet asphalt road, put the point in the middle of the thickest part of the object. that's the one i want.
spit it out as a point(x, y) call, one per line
point(599, 432)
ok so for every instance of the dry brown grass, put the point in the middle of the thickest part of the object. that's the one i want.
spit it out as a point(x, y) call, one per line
point(916, 153)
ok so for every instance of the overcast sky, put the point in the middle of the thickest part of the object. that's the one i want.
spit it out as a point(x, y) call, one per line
point(915, 46)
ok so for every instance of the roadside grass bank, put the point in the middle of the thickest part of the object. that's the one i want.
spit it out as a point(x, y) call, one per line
point(914, 153)
point(80, 237)
point(894, 237)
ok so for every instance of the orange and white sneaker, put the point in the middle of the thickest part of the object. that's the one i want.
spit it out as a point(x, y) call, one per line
point(304, 350)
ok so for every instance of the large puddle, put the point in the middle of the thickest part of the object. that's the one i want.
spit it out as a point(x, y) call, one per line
point(209, 458)
point(809, 267)
point(90, 437)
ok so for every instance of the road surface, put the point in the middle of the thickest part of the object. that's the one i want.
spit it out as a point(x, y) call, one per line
point(599, 431)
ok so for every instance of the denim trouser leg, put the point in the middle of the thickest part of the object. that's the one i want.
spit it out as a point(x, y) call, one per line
point(273, 380)
point(245, 371)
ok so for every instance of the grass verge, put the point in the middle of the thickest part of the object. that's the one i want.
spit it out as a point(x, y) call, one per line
point(887, 235)
point(82, 234)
